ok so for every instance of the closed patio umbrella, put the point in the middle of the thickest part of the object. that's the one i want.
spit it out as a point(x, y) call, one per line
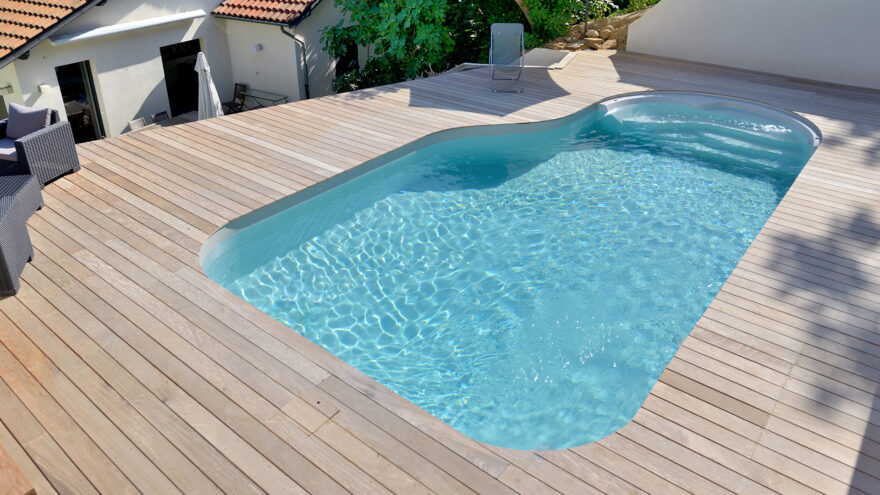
point(209, 100)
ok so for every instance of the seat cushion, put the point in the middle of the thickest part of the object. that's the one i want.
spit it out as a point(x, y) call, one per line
point(25, 120)
point(7, 150)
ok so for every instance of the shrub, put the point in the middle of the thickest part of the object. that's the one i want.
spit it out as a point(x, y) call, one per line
point(414, 38)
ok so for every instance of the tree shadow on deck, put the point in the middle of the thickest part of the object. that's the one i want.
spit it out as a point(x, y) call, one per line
point(468, 91)
point(834, 281)
point(857, 109)
point(830, 275)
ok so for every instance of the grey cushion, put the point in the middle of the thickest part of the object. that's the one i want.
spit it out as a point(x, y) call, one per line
point(7, 150)
point(25, 120)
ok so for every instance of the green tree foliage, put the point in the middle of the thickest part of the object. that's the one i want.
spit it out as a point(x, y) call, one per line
point(625, 6)
point(550, 18)
point(414, 38)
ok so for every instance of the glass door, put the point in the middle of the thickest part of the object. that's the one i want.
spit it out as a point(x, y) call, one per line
point(80, 101)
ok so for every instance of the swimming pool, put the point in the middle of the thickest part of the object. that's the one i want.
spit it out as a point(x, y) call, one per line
point(527, 284)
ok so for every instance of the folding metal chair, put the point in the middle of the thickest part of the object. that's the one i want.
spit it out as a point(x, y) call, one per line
point(507, 56)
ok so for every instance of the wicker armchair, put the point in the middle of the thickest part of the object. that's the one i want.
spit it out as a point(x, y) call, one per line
point(20, 197)
point(47, 154)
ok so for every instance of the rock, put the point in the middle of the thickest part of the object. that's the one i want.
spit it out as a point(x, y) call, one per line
point(594, 43)
point(621, 36)
point(609, 34)
point(615, 22)
point(619, 21)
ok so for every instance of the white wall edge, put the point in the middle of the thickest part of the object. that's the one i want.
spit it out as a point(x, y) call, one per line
point(125, 27)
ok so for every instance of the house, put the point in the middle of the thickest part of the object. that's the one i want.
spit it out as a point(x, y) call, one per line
point(104, 63)
point(267, 40)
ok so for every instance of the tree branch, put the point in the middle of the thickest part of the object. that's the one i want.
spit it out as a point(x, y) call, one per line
point(525, 10)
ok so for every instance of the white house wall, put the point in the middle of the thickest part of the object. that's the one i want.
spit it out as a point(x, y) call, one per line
point(129, 76)
point(9, 78)
point(278, 67)
point(322, 68)
point(274, 69)
point(835, 42)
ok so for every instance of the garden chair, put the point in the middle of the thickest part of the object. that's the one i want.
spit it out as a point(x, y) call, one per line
point(36, 142)
point(507, 56)
point(238, 98)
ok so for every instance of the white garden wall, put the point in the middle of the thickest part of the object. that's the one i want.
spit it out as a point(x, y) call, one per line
point(832, 41)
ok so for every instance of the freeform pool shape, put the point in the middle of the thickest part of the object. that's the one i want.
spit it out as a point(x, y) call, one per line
point(527, 284)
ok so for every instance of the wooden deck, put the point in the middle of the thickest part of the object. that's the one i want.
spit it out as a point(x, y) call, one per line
point(123, 369)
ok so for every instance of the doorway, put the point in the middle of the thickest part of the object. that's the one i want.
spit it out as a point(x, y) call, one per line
point(181, 79)
point(80, 101)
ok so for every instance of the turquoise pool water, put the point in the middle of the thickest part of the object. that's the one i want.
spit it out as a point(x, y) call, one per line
point(527, 288)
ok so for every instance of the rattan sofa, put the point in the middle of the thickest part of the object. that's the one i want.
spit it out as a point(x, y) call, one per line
point(47, 154)
point(27, 163)
point(20, 197)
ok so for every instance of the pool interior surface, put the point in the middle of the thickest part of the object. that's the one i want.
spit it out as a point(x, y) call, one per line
point(528, 289)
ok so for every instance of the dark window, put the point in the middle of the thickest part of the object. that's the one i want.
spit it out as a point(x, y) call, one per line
point(80, 101)
point(181, 79)
point(3, 113)
point(349, 61)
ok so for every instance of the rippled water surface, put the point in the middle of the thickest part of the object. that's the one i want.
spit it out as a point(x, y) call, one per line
point(527, 289)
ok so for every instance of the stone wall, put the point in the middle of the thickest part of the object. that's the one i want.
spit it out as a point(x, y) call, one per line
point(602, 34)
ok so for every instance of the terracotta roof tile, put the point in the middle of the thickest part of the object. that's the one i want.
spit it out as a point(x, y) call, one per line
point(280, 11)
point(24, 20)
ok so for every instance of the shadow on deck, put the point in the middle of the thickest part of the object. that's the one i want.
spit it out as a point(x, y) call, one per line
point(433, 92)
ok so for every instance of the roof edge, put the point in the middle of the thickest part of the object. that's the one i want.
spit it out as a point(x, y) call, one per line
point(248, 19)
point(18, 52)
point(292, 24)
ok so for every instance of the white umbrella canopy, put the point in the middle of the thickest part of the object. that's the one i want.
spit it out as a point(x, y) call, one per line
point(209, 100)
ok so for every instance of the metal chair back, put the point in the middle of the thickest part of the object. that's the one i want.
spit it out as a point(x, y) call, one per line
point(507, 54)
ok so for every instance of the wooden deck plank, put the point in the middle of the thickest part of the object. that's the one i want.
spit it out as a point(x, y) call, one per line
point(408, 460)
point(55, 468)
point(154, 449)
point(291, 380)
point(223, 472)
point(182, 179)
point(469, 475)
point(126, 368)
point(263, 404)
point(95, 334)
point(88, 456)
point(15, 481)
